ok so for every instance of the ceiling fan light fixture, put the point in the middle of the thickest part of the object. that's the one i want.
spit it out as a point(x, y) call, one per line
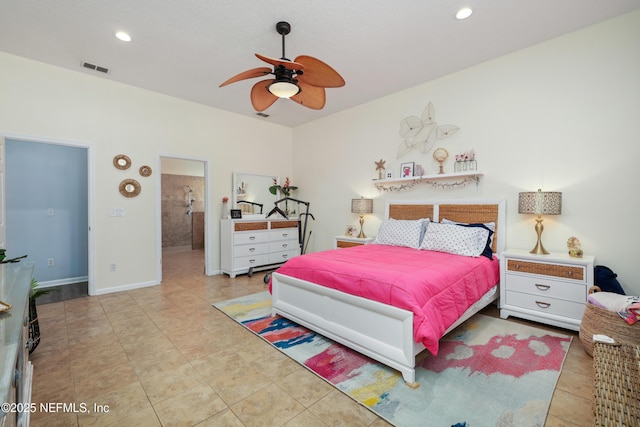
point(283, 89)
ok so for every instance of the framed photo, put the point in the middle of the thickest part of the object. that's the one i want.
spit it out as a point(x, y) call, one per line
point(235, 213)
point(406, 170)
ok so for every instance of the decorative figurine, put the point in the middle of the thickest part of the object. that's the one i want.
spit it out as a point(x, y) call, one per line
point(380, 168)
point(574, 246)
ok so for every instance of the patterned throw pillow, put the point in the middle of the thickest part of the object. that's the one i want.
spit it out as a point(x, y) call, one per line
point(455, 239)
point(490, 226)
point(400, 232)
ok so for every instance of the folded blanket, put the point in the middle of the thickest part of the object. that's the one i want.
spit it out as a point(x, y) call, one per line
point(628, 307)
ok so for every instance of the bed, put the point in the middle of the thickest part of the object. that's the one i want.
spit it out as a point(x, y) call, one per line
point(382, 326)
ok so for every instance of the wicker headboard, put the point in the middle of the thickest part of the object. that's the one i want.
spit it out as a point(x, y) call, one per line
point(468, 211)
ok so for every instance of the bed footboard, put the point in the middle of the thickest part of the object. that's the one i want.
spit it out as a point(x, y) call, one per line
point(380, 331)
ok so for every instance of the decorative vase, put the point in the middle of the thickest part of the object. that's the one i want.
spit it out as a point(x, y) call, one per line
point(460, 166)
point(225, 211)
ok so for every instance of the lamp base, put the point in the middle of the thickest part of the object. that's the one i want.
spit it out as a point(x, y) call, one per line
point(539, 249)
point(361, 235)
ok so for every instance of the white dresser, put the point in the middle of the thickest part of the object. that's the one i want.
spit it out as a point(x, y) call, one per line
point(550, 289)
point(246, 245)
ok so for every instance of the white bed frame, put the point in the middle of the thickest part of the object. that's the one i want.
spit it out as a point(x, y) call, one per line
point(381, 331)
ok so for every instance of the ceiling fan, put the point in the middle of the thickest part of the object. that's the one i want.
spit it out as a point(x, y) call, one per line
point(302, 80)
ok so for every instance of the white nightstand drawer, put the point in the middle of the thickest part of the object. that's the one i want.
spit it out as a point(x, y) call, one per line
point(561, 271)
point(558, 307)
point(543, 286)
point(250, 250)
point(250, 237)
point(249, 261)
point(278, 257)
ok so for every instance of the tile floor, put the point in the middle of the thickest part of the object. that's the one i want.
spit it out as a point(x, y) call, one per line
point(162, 356)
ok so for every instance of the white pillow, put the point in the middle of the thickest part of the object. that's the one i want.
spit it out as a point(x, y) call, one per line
point(455, 239)
point(490, 225)
point(401, 232)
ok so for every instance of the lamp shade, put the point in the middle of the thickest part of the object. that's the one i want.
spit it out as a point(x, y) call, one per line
point(362, 206)
point(540, 203)
point(283, 89)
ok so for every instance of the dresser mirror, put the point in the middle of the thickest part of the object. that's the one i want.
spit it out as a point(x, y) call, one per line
point(251, 190)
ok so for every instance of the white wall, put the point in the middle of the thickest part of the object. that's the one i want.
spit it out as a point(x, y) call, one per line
point(48, 103)
point(561, 116)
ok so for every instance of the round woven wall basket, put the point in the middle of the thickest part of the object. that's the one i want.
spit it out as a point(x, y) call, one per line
point(597, 320)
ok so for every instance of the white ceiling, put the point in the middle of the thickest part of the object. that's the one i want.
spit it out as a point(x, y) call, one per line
point(187, 48)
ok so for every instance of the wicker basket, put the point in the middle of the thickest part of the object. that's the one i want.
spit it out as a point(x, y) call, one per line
point(616, 385)
point(597, 320)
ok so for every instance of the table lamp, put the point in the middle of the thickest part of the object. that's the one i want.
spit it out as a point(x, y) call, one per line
point(540, 203)
point(361, 206)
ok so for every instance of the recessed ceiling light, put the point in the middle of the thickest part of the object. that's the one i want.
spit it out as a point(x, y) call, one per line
point(464, 13)
point(121, 35)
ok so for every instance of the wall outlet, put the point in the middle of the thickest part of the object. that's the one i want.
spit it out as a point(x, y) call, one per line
point(113, 267)
point(50, 262)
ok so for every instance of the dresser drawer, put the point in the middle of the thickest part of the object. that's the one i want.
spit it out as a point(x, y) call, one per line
point(278, 257)
point(249, 261)
point(250, 237)
point(245, 226)
point(557, 307)
point(562, 271)
point(545, 286)
point(250, 249)
point(283, 245)
point(284, 224)
point(283, 234)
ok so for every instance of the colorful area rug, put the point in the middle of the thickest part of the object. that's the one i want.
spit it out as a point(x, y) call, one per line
point(488, 372)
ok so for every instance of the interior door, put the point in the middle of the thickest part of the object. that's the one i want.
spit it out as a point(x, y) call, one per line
point(3, 223)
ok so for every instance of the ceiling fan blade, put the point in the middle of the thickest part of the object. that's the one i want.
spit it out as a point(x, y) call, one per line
point(249, 74)
point(289, 65)
point(310, 96)
point(317, 73)
point(261, 98)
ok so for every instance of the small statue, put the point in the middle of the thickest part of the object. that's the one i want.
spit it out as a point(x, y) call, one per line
point(380, 168)
point(575, 249)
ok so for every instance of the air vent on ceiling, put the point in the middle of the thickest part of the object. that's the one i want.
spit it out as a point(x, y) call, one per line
point(262, 114)
point(95, 67)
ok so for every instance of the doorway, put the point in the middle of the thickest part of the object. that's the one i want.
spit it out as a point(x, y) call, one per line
point(46, 197)
point(183, 207)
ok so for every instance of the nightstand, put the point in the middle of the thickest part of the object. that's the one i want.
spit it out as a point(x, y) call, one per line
point(348, 241)
point(550, 289)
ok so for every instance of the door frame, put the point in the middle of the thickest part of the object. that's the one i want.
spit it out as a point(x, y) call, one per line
point(208, 253)
point(91, 288)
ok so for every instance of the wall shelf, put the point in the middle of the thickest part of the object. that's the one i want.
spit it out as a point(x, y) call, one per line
point(447, 180)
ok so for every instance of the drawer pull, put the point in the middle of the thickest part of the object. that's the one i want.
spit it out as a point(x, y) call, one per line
point(252, 237)
point(285, 234)
point(543, 287)
point(251, 261)
point(284, 245)
point(252, 249)
point(285, 256)
point(570, 273)
point(542, 304)
point(517, 266)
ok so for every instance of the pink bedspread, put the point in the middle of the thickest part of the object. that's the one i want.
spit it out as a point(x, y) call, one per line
point(437, 287)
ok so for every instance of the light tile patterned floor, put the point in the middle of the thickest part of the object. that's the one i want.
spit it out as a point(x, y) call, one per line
point(162, 356)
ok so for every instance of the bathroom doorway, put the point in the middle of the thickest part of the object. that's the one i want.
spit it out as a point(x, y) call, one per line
point(183, 199)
